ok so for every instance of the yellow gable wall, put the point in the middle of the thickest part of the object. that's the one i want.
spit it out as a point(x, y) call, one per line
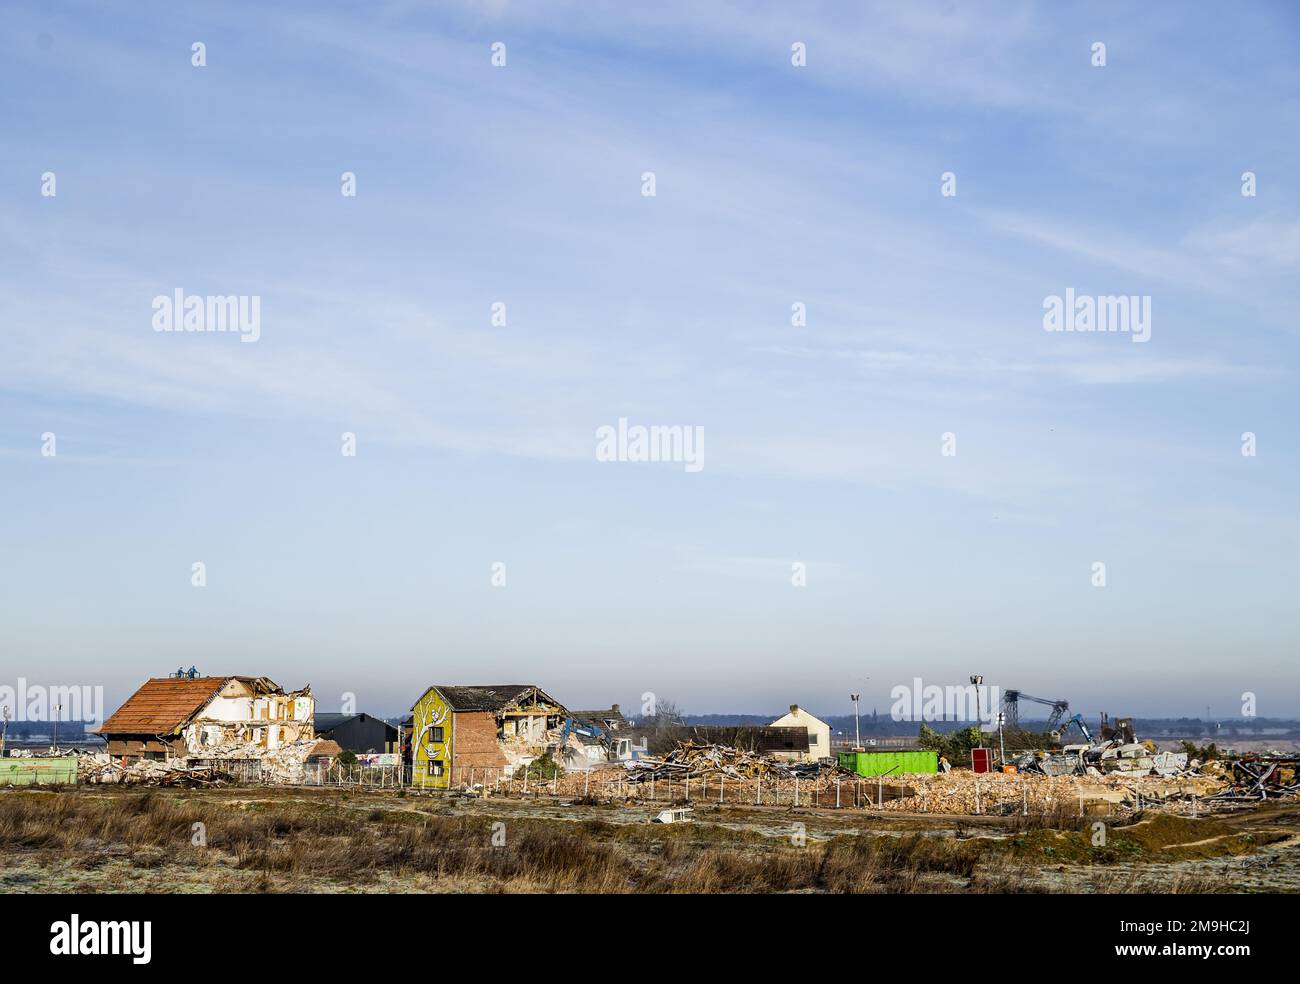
point(431, 712)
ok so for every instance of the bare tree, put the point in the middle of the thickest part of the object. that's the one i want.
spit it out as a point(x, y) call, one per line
point(667, 715)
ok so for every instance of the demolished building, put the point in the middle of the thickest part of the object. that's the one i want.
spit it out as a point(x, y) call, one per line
point(610, 719)
point(593, 738)
point(208, 718)
point(458, 731)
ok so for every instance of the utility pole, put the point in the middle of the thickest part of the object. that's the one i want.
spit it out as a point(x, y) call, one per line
point(57, 709)
point(4, 728)
point(857, 730)
point(1002, 744)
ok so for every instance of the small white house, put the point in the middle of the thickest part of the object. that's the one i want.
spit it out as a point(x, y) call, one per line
point(819, 735)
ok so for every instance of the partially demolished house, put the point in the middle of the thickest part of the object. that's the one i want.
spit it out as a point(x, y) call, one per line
point(210, 718)
point(457, 732)
point(611, 719)
point(599, 736)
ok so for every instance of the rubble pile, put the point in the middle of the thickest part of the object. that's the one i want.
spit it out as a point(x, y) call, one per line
point(615, 782)
point(99, 768)
point(1256, 779)
point(711, 771)
point(230, 763)
point(1111, 756)
point(699, 760)
point(283, 764)
point(996, 792)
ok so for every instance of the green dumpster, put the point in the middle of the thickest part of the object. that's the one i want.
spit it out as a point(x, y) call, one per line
point(38, 771)
point(889, 762)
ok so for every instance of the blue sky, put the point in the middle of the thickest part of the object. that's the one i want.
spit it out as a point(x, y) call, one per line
point(774, 185)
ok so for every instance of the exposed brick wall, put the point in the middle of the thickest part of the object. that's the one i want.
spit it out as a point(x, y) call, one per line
point(475, 743)
point(134, 746)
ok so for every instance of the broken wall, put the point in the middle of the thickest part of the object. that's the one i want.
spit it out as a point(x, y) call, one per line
point(250, 717)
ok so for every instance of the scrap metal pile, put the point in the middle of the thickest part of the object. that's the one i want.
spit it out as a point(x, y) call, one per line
point(1253, 779)
point(1116, 755)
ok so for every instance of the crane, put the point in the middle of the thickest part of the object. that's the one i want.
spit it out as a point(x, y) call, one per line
point(1011, 708)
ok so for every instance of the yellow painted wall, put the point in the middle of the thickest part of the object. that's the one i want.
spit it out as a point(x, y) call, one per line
point(430, 711)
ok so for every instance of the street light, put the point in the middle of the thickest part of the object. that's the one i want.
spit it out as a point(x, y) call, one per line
point(857, 731)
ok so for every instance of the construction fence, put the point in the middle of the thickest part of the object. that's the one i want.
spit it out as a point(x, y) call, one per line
point(837, 792)
point(371, 776)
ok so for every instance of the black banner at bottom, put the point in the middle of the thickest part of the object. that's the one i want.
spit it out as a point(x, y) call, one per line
point(139, 934)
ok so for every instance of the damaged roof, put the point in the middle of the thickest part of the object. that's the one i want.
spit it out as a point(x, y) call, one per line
point(491, 697)
point(165, 704)
point(162, 705)
point(325, 747)
point(608, 714)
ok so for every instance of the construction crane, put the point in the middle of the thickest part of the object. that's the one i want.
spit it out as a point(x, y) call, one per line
point(1011, 708)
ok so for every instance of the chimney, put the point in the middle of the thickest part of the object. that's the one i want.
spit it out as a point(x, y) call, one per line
point(614, 708)
point(794, 709)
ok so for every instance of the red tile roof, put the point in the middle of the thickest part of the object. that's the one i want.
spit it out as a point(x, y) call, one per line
point(162, 705)
point(327, 747)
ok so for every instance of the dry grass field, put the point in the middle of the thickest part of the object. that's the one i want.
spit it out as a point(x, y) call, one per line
point(294, 840)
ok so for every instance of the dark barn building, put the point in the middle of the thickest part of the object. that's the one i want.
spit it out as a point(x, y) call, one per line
point(358, 733)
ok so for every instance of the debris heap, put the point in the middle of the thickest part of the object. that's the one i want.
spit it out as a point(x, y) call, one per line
point(1141, 758)
point(249, 762)
point(1252, 779)
point(962, 792)
point(698, 760)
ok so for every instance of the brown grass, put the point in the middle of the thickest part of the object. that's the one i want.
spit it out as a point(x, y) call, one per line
point(118, 840)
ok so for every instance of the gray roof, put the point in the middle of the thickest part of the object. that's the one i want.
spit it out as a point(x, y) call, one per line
point(328, 721)
point(608, 714)
point(490, 697)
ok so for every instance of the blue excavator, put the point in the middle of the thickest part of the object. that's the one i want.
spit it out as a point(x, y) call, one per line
point(1083, 729)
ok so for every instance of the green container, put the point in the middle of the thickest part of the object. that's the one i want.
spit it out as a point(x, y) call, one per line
point(889, 763)
point(38, 771)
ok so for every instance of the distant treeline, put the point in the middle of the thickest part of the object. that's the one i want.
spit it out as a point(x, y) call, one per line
point(71, 730)
point(878, 725)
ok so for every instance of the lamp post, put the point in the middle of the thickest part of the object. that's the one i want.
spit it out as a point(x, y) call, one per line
point(857, 730)
point(978, 682)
